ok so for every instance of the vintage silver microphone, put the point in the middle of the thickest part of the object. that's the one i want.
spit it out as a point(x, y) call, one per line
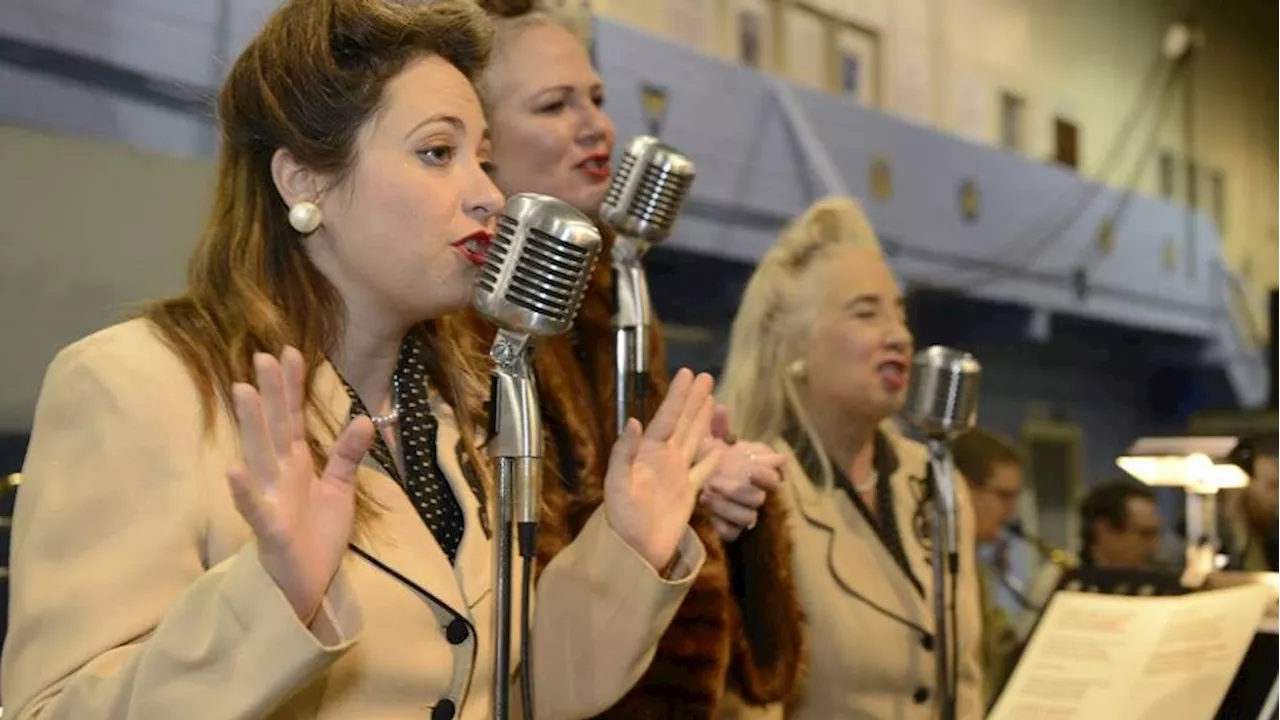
point(531, 287)
point(642, 205)
point(942, 402)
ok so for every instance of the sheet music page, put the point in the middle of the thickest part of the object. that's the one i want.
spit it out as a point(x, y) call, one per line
point(1140, 658)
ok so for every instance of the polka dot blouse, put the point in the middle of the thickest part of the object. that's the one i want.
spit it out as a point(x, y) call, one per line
point(424, 482)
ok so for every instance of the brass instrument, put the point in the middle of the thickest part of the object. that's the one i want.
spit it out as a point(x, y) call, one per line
point(1049, 552)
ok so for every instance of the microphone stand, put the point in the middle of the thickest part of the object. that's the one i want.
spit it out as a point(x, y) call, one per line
point(631, 319)
point(515, 443)
point(945, 551)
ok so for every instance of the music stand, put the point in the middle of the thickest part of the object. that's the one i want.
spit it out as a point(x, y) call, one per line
point(1253, 691)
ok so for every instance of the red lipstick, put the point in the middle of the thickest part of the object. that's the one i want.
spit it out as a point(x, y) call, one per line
point(597, 166)
point(474, 247)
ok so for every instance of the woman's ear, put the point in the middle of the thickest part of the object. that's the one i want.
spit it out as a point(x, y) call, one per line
point(294, 181)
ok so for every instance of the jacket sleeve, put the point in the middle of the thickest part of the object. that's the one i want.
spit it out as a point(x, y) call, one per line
point(114, 610)
point(601, 609)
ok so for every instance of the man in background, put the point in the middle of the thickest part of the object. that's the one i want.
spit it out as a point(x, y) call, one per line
point(1119, 526)
point(992, 467)
point(1119, 530)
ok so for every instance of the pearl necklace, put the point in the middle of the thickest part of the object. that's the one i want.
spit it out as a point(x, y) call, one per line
point(381, 421)
point(869, 483)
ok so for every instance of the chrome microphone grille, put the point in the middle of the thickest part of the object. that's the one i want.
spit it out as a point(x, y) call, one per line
point(648, 190)
point(942, 398)
point(538, 266)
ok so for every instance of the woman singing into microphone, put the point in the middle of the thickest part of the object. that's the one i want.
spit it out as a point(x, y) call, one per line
point(818, 363)
point(254, 501)
point(740, 624)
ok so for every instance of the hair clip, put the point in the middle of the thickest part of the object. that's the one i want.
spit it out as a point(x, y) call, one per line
point(802, 257)
point(770, 315)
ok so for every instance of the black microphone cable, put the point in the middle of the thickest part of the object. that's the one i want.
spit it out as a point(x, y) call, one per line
point(526, 539)
point(639, 393)
point(953, 566)
point(953, 569)
point(946, 572)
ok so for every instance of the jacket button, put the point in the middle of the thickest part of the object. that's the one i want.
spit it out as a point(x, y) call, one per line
point(457, 632)
point(926, 642)
point(444, 710)
point(920, 696)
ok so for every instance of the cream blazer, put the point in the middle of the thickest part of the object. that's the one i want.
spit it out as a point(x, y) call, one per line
point(137, 591)
point(864, 665)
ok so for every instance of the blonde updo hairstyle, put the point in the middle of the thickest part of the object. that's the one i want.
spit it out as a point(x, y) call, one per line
point(763, 369)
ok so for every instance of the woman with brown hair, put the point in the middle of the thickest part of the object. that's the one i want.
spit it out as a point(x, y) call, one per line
point(739, 628)
point(351, 215)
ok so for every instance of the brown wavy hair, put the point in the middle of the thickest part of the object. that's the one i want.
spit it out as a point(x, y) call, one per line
point(308, 82)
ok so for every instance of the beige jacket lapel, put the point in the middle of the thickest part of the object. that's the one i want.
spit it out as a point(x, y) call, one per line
point(908, 484)
point(475, 553)
point(853, 548)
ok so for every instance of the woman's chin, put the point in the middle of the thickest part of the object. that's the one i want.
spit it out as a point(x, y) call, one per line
point(588, 200)
point(891, 405)
point(449, 303)
point(461, 300)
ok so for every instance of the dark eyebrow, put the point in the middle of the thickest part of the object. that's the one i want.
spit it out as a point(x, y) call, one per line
point(452, 120)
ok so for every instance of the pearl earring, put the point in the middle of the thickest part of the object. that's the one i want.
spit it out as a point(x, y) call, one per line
point(796, 368)
point(305, 217)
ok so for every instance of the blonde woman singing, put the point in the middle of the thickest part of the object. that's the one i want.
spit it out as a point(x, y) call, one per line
point(818, 364)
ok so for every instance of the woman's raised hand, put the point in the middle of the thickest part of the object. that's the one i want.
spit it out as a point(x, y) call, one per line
point(302, 520)
point(655, 473)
